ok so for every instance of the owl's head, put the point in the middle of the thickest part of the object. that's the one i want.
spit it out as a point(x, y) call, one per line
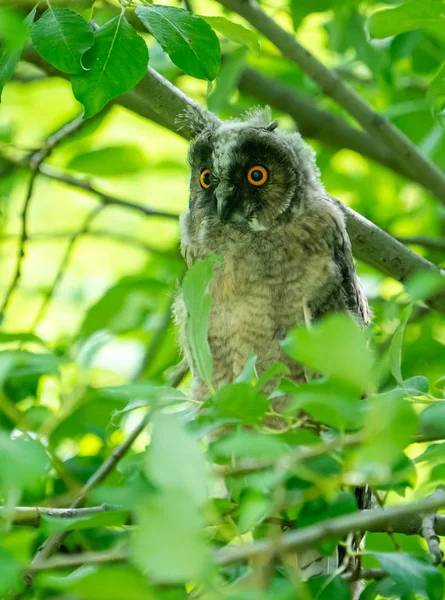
point(248, 172)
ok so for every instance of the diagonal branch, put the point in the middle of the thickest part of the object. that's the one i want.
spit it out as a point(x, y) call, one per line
point(403, 150)
point(315, 123)
point(369, 243)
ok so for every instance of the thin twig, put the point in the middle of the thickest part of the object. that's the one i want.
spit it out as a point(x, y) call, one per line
point(35, 163)
point(64, 264)
point(53, 543)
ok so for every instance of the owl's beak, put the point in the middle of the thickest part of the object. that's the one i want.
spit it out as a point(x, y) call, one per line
point(225, 202)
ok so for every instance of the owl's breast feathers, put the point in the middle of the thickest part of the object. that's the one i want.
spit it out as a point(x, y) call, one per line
point(268, 278)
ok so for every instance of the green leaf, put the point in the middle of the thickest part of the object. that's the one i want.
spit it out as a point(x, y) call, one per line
point(235, 33)
point(25, 370)
point(112, 583)
point(390, 426)
point(10, 574)
point(7, 337)
point(124, 306)
point(246, 444)
point(238, 403)
point(111, 161)
point(432, 421)
point(14, 38)
point(115, 64)
point(336, 347)
point(177, 466)
point(61, 37)
point(427, 14)
point(254, 506)
point(417, 385)
point(169, 542)
point(395, 350)
point(301, 8)
point(249, 373)
point(197, 301)
point(23, 463)
point(412, 574)
point(109, 518)
point(227, 81)
point(328, 588)
point(189, 41)
point(316, 511)
point(328, 402)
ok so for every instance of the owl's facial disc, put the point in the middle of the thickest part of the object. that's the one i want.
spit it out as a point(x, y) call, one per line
point(244, 175)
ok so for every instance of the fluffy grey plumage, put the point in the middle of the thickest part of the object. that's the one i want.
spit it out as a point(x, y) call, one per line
point(284, 245)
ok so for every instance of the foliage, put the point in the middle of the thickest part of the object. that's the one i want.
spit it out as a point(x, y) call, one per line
point(77, 376)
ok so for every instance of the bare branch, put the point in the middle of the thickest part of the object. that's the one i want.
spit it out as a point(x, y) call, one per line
point(31, 516)
point(331, 529)
point(35, 161)
point(404, 151)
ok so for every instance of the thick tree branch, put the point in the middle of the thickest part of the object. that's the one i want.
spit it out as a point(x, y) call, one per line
point(309, 537)
point(403, 150)
point(316, 123)
point(331, 529)
point(423, 240)
point(369, 243)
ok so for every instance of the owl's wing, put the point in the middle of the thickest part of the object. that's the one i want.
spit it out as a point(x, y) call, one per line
point(187, 246)
point(354, 294)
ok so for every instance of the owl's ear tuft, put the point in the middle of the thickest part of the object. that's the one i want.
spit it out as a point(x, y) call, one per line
point(196, 120)
point(258, 117)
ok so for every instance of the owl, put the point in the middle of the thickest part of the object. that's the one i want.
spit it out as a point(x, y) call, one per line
point(257, 201)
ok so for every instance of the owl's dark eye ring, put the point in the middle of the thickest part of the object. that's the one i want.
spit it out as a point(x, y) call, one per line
point(257, 175)
point(204, 179)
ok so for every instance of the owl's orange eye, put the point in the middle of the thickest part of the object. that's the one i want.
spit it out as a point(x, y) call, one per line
point(257, 175)
point(204, 179)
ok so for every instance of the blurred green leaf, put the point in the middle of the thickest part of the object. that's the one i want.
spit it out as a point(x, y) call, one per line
point(254, 507)
point(246, 444)
point(14, 36)
point(238, 403)
point(188, 40)
point(432, 421)
point(10, 574)
point(227, 80)
point(124, 306)
point(23, 463)
point(177, 551)
point(336, 347)
point(110, 161)
point(412, 575)
point(395, 349)
point(109, 518)
point(24, 372)
point(299, 9)
point(328, 402)
point(115, 64)
point(7, 337)
point(328, 588)
point(235, 33)
point(61, 37)
point(112, 583)
point(406, 17)
point(197, 301)
point(180, 465)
